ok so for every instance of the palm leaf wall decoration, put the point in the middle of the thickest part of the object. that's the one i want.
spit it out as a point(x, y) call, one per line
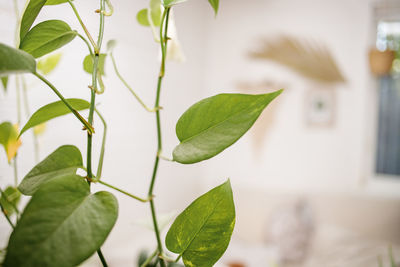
point(311, 60)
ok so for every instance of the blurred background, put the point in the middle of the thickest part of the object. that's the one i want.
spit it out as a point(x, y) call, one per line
point(316, 180)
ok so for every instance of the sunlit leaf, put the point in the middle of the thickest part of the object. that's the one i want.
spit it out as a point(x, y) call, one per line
point(29, 16)
point(9, 139)
point(10, 199)
point(55, 2)
point(54, 110)
point(65, 160)
point(62, 225)
point(201, 233)
point(215, 123)
point(215, 5)
point(142, 17)
point(88, 63)
point(169, 3)
point(47, 37)
point(4, 82)
point(48, 64)
point(15, 61)
point(39, 129)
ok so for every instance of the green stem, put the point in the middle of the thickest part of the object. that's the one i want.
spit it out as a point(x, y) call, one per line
point(129, 87)
point(163, 42)
point(102, 259)
point(149, 259)
point(93, 89)
point(87, 125)
point(178, 258)
point(103, 144)
point(83, 25)
point(16, 33)
point(123, 192)
point(28, 114)
point(8, 218)
point(87, 43)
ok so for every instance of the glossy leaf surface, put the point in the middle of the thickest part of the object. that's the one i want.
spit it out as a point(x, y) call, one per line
point(29, 16)
point(47, 37)
point(15, 61)
point(65, 160)
point(54, 110)
point(9, 139)
point(4, 82)
point(88, 64)
point(48, 64)
point(10, 199)
point(215, 123)
point(62, 225)
point(215, 5)
point(201, 233)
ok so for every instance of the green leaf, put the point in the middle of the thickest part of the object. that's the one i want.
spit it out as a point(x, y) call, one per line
point(9, 139)
point(88, 64)
point(4, 82)
point(156, 12)
point(48, 64)
point(10, 199)
point(65, 160)
point(142, 17)
point(169, 3)
point(30, 14)
point(201, 233)
point(46, 37)
point(215, 123)
point(215, 5)
point(54, 110)
point(55, 2)
point(62, 225)
point(15, 61)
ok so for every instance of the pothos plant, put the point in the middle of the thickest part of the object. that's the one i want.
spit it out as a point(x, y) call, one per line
point(64, 223)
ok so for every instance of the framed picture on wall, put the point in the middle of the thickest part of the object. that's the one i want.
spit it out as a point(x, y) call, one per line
point(320, 107)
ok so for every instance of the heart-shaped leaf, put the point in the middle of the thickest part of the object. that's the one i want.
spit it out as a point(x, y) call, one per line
point(9, 199)
point(142, 17)
point(30, 14)
point(88, 63)
point(9, 139)
point(15, 61)
point(4, 82)
point(62, 225)
point(215, 123)
point(46, 37)
point(201, 233)
point(65, 160)
point(48, 64)
point(54, 110)
point(215, 5)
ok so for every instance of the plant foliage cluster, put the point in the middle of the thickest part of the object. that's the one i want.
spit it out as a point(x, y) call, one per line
point(63, 223)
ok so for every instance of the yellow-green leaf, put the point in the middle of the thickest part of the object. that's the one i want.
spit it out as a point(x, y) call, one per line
point(29, 16)
point(88, 64)
point(9, 139)
point(9, 199)
point(48, 64)
point(54, 110)
point(201, 233)
point(142, 17)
